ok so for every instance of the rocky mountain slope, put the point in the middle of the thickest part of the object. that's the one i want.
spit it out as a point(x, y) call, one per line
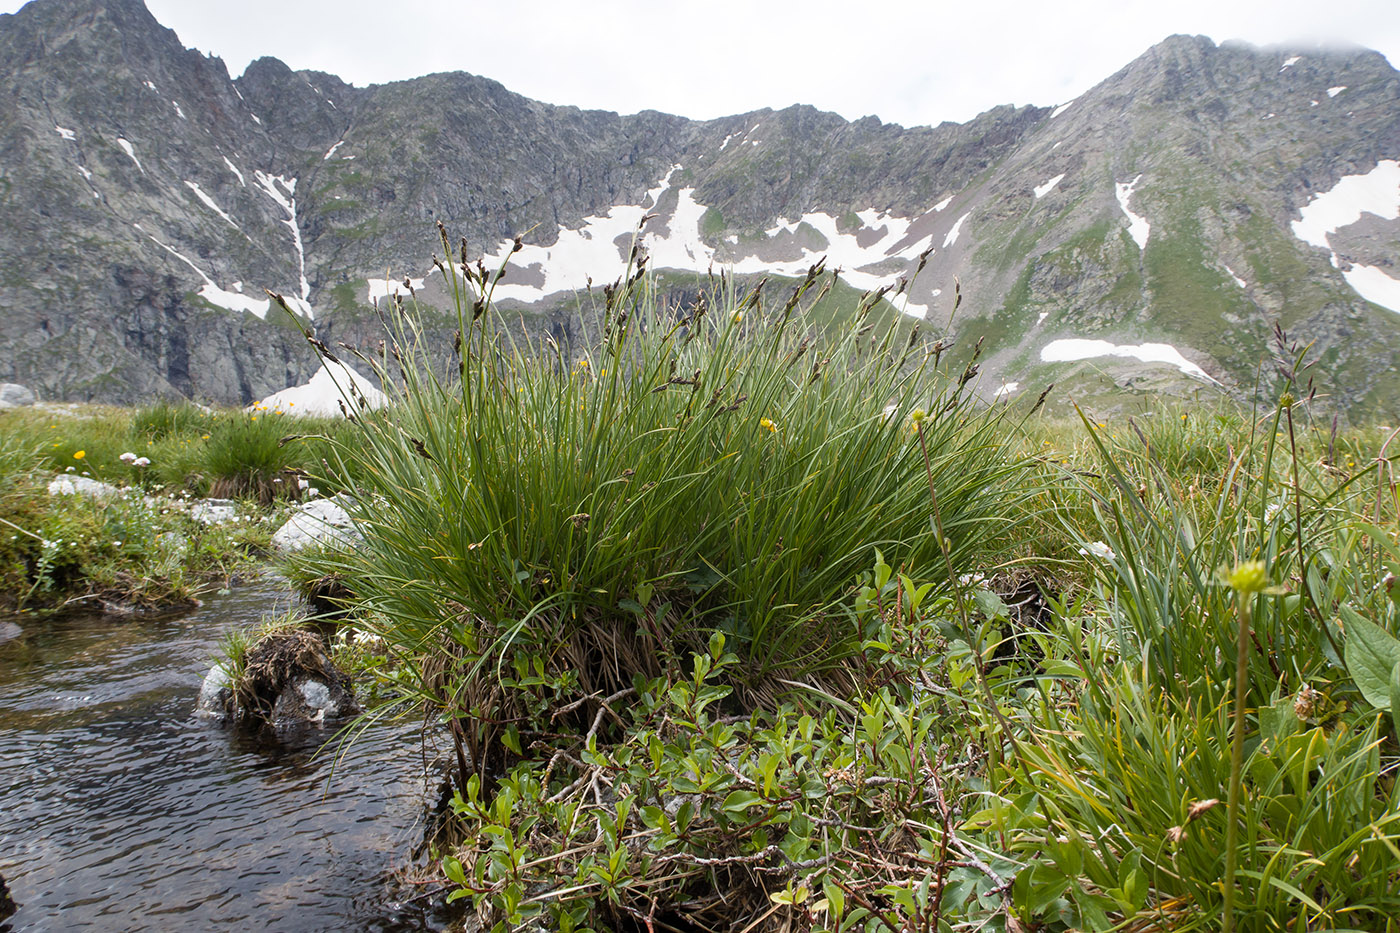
point(1145, 237)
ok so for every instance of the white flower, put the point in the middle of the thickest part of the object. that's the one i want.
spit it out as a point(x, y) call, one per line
point(313, 492)
point(1098, 549)
point(141, 462)
point(302, 484)
point(127, 457)
point(1271, 511)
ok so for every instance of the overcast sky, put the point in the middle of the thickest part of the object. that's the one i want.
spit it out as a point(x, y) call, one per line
point(905, 62)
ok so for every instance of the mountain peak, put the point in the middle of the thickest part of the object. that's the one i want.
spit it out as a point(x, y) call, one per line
point(150, 199)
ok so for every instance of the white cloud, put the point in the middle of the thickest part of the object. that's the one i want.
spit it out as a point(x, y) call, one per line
point(905, 61)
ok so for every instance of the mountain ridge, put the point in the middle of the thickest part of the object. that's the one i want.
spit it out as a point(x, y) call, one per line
point(136, 251)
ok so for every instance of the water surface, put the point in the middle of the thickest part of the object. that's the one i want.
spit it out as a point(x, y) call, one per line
point(121, 810)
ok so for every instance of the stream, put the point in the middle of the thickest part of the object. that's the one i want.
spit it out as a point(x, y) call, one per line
point(122, 810)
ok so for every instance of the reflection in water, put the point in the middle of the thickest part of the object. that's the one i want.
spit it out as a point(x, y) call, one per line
point(120, 810)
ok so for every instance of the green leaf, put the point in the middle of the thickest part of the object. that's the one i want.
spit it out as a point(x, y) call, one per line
point(1371, 654)
point(835, 898)
point(454, 871)
point(511, 739)
point(740, 800)
point(683, 814)
point(1395, 696)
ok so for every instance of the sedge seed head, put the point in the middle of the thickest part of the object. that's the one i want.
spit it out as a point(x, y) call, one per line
point(1250, 576)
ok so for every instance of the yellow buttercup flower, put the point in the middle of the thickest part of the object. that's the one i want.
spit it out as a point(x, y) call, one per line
point(768, 424)
point(78, 455)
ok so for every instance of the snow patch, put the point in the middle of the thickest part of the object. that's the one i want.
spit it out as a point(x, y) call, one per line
point(331, 151)
point(86, 173)
point(253, 115)
point(233, 168)
point(150, 85)
point(321, 397)
point(1061, 109)
point(1040, 319)
point(726, 142)
point(268, 183)
point(67, 133)
point(952, 236)
point(1070, 349)
point(682, 248)
point(130, 151)
point(1376, 192)
point(178, 255)
point(1334, 91)
point(178, 112)
point(1290, 63)
point(383, 288)
point(600, 246)
point(1375, 286)
point(1138, 227)
point(209, 203)
point(1238, 281)
point(1042, 190)
point(943, 203)
point(1007, 388)
point(233, 301)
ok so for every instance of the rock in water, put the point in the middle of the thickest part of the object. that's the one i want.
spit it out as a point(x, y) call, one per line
point(216, 694)
point(287, 678)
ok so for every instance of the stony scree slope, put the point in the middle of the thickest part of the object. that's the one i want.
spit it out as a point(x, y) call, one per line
point(1144, 238)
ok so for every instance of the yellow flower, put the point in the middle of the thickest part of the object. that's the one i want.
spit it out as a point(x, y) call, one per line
point(767, 423)
point(204, 437)
point(78, 455)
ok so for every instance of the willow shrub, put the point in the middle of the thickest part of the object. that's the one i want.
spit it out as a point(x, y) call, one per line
point(540, 527)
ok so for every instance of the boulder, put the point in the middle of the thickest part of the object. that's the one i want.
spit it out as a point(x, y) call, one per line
point(13, 395)
point(323, 521)
point(214, 511)
point(72, 485)
point(216, 694)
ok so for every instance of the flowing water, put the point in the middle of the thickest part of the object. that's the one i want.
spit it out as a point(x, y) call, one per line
point(121, 810)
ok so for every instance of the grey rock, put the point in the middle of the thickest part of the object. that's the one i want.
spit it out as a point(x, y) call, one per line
point(13, 395)
point(320, 522)
point(214, 511)
point(9, 631)
point(215, 694)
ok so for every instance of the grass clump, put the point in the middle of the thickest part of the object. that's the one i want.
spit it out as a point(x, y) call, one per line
point(654, 539)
